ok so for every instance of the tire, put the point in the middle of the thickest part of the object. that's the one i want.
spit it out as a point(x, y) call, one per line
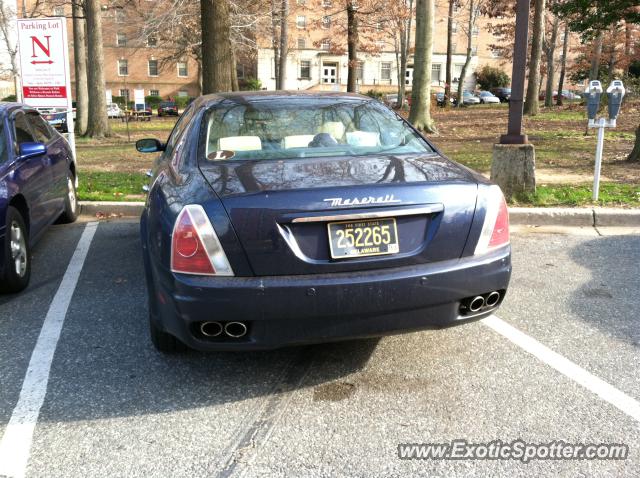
point(70, 213)
point(17, 254)
point(164, 342)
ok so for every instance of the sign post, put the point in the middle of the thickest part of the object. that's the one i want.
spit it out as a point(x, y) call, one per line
point(44, 67)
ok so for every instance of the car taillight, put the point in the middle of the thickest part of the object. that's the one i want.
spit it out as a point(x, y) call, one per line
point(495, 231)
point(195, 247)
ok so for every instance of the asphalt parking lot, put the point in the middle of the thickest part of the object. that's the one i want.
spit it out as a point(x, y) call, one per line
point(116, 407)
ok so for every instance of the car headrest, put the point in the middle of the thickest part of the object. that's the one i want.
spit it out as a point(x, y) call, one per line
point(240, 143)
point(296, 141)
point(334, 128)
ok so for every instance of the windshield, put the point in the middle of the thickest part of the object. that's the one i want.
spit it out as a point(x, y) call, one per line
point(282, 128)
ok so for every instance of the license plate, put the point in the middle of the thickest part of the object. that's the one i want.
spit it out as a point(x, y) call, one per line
point(369, 237)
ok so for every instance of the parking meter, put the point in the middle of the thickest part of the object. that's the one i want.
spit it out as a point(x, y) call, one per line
point(615, 93)
point(593, 92)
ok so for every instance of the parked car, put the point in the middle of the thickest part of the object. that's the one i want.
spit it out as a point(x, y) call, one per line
point(143, 110)
point(486, 97)
point(38, 178)
point(392, 101)
point(503, 94)
point(469, 98)
point(440, 99)
point(312, 217)
point(56, 117)
point(114, 111)
point(167, 108)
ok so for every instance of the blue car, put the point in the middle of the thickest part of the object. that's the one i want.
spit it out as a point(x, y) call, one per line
point(281, 218)
point(37, 187)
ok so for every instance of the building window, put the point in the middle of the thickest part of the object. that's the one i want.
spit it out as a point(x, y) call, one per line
point(385, 70)
point(435, 71)
point(380, 44)
point(58, 11)
point(474, 50)
point(325, 44)
point(302, 43)
point(305, 70)
point(454, 27)
point(240, 72)
point(379, 26)
point(495, 54)
point(123, 67)
point(152, 41)
point(475, 30)
point(302, 2)
point(183, 93)
point(119, 16)
point(454, 47)
point(121, 39)
point(153, 67)
point(326, 22)
point(183, 70)
point(301, 21)
point(125, 94)
point(154, 92)
point(326, 3)
point(359, 71)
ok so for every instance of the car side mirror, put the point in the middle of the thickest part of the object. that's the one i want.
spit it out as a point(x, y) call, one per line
point(149, 145)
point(31, 150)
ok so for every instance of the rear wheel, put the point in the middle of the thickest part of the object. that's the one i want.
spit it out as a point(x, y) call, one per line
point(164, 342)
point(17, 255)
point(70, 213)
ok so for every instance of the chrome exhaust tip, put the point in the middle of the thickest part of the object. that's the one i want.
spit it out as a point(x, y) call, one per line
point(235, 329)
point(211, 329)
point(492, 299)
point(476, 303)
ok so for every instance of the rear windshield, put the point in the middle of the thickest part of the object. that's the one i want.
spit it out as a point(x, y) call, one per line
point(284, 128)
point(167, 104)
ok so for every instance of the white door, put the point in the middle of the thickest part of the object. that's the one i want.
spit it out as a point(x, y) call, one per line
point(329, 73)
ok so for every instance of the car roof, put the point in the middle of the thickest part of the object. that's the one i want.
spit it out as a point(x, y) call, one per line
point(7, 107)
point(249, 97)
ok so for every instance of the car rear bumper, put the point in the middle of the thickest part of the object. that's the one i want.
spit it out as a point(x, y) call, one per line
point(288, 310)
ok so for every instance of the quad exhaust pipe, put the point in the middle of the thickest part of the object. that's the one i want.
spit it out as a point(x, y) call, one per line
point(476, 303)
point(216, 329)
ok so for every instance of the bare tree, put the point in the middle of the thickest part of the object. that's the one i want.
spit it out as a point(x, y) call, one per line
point(80, 65)
point(420, 114)
point(549, 47)
point(281, 79)
point(447, 85)
point(531, 105)
point(97, 123)
point(217, 55)
point(563, 64)
point(7, 19)
point(474, 11)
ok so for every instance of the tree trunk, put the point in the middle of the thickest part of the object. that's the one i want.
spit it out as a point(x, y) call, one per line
point(234, 73)
point(447, 85)
point(405, 40)
point(551, 51)
point(97, 122)
point(80, 63)
point(352, 45)
point(635, 153)
point(217, 55)
point(563, 65)
point(420, 114)
point(284, 45)
point(595, 57)
point(467, 61)
point(275, 42)
point(531, 106)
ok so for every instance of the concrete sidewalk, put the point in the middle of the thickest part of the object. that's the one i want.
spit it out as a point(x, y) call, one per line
point(534, 216)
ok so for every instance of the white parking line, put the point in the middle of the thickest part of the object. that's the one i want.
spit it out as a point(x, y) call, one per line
point(607, 392)
point(16, 441)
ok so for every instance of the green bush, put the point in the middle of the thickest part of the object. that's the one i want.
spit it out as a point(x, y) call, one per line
point(9, 98)
point(491, 77)
point(375, 94)
point(251, 84)
point(182, 101)
point(153, 101)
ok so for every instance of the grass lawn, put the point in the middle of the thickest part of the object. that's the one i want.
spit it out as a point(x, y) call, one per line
point(112, 169)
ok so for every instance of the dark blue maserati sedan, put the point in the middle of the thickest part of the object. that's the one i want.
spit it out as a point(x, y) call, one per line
point(37, 187)
point(281, 218)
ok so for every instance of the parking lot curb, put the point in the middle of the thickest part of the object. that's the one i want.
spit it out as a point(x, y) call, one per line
point(106, 209)
point(531, 216)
